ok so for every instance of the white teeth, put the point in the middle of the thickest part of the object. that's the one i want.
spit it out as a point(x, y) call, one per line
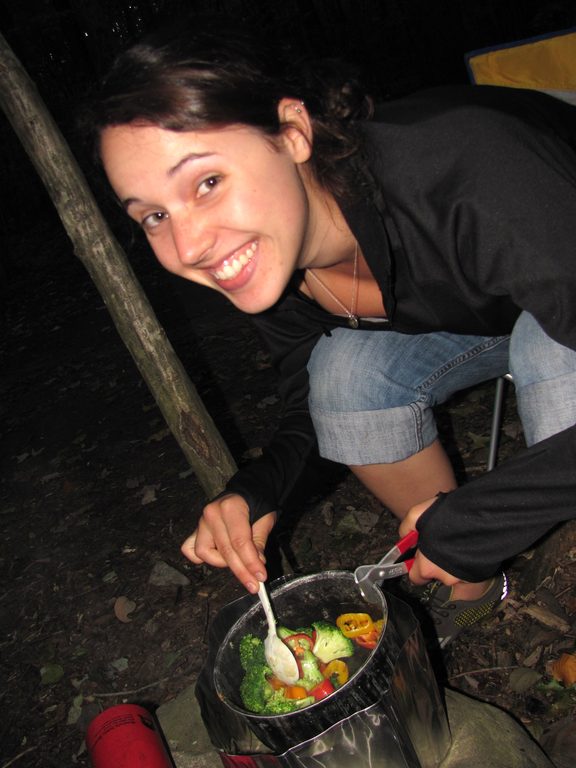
point(233, 267)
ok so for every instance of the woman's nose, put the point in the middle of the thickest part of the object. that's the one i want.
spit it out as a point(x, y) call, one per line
point(192, 239)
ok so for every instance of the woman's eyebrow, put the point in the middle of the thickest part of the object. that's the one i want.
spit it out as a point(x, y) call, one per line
point(191, 157)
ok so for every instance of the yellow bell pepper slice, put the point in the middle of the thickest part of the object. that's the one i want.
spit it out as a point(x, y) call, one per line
point(354, 624)
point(337, 671)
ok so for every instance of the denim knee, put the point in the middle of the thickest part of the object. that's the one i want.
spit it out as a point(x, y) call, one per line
point(544, 374)
point(349, 371)
point(362, 412)
point(372, 392)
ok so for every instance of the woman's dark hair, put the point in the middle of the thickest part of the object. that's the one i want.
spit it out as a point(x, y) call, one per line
point(205, 78)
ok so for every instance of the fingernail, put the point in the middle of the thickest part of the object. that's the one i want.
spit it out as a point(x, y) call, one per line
point(260, 576)
point(251, 587)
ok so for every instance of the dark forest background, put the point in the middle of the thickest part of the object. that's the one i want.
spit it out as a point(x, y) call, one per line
point(400, 46)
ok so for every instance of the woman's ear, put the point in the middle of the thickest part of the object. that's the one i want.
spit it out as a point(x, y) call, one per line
point(296, 129)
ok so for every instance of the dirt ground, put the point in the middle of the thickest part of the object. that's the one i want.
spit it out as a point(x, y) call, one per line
point(95, 494)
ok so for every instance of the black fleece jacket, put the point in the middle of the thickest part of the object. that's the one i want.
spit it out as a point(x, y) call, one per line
point(466, 216)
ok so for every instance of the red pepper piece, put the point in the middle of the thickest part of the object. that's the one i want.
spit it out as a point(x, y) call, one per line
point(323, 689)
point(299, 643)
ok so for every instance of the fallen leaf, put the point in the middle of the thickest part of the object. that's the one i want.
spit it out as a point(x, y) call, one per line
point(123, 607)
point(149, 494)
point(366, 519)
point(51, 673)
point(163, 575)
point(564, 669)
point(120, 665)
point(478, 441)
point(522, 679)
point(347, 525)
point(559, 741)
point(252, 453)
point(472, 682)
point(75, 710)
point(546, 617)
point(533, 658)
point(158, 436)
point(48, 478)
point(513, 430)
point(327, 513)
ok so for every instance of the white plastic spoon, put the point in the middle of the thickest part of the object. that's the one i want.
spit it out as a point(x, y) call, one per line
point(279, 657)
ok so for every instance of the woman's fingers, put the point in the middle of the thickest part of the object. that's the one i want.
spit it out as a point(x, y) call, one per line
point(261, 530)
point(188, 548)
point(200, 548)
point(225, 538)
point(424, 570)
point(409, 522)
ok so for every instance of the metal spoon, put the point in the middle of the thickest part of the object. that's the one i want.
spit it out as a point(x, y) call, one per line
point(279, 657)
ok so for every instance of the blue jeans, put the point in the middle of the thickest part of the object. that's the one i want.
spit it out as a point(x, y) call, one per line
point(372, 393)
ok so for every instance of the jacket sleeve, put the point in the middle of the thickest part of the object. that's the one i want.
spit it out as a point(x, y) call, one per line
point(290, 331)
point(472, 530)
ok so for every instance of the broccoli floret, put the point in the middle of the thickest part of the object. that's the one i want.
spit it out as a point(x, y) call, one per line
point(251, 652)
point(278, 704)
point(283, 631)
point(255, 690)
point(330, 643)
point(311, 675)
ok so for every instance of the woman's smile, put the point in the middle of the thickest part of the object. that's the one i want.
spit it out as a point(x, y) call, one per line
point(235, 267)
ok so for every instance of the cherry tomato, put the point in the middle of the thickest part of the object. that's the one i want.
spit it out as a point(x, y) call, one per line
point(323, 689)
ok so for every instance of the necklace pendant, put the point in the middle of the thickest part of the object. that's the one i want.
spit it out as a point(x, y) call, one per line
point(353, 321)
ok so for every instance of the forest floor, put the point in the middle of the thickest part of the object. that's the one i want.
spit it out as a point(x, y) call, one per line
point(96, 497)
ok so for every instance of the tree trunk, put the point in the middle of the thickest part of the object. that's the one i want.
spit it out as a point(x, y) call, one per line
point(108, 267)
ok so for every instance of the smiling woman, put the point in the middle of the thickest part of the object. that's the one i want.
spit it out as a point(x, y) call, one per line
point(389, 261)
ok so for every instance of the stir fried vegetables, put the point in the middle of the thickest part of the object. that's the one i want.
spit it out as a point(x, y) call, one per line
point(320, 651)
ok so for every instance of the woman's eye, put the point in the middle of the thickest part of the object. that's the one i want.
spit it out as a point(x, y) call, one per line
point(153, 220)
point(208, 185)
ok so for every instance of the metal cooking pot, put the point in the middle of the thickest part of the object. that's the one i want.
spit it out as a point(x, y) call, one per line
point(394, 682)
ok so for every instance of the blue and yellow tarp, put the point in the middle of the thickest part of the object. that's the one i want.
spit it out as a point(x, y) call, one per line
point(545, 63)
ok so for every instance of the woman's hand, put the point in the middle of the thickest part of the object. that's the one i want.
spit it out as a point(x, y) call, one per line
point(225, 538)
point(423, 570)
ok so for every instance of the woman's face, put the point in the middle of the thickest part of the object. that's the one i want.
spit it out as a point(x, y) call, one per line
point(224, 208)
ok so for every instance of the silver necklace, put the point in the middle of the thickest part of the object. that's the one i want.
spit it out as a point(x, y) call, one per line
point(353, 320)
